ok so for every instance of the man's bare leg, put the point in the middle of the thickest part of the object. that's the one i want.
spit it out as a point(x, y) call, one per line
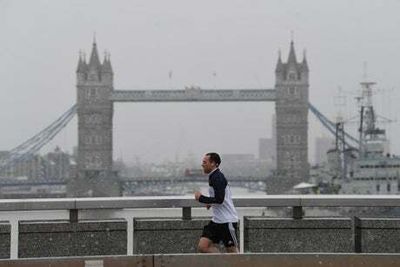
point(206, 246)
point(232, 249)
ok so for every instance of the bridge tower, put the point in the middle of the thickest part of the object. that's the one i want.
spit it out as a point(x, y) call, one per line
point(95, 114)
point(291, 107)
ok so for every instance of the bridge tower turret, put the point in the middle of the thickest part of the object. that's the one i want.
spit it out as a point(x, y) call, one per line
point(291, 108)
point(95, 175)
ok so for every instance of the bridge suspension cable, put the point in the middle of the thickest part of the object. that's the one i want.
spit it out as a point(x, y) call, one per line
point(28, 148)
point(331, 126)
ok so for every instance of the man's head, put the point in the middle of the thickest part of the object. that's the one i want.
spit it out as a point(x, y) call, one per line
point(210, 161)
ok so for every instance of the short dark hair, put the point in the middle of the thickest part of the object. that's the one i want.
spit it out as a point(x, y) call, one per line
point(214, 157)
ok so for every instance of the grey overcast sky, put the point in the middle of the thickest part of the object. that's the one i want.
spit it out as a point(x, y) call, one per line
point(239, 40)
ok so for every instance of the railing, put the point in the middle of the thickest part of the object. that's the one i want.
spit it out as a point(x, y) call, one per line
point(297, 202)
point(70, 208)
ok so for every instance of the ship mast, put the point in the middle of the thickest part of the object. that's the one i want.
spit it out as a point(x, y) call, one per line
point(368, 130)
point(367, 117)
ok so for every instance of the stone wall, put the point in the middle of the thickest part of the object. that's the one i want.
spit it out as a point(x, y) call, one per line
point(290, 235)
point(167, 235)
point(174, 235)
point(5, 230)
point(380, 235)
point(62, 238)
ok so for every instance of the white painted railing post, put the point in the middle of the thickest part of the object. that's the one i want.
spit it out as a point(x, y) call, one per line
point(130, 235)
point(14, 238)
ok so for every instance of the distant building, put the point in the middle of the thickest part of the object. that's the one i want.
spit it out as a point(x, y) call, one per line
point(30, 167)
point(244, 165)
point(3, 157)
point(56, 165)
point(322, 145)
point(237, 157)
point(267, 146)
point(3, 154)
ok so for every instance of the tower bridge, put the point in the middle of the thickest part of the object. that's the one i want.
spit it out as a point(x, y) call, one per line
point(95, 108)
point(96, 96)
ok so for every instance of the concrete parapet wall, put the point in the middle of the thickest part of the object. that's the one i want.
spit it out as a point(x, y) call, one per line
point(63, 238)
point(290, 235)
point(167, 235)
point(175, 235)
point(5, 236)
point(379, 235)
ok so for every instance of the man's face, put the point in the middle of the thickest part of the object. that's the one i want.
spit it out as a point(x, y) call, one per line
point(207, 165)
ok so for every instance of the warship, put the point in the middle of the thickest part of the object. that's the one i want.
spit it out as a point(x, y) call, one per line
point(364, 167)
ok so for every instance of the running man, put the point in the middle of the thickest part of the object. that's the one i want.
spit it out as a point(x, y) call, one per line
point(223, 225)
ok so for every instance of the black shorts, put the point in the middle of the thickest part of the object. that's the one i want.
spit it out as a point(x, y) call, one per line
point(225, 232)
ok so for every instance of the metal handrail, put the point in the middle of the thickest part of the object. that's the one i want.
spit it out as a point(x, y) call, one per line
point(189, 202)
